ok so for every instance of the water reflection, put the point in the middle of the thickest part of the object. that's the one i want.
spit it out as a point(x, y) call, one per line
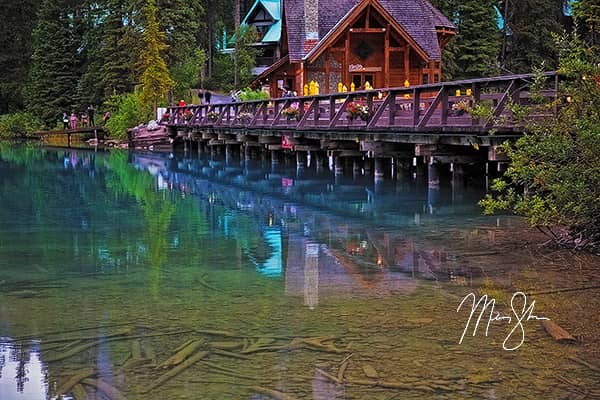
point(339, 235)
point(133, 255)
point(22, 374)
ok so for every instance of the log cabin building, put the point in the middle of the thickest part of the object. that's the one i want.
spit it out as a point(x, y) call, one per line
point(383, 42)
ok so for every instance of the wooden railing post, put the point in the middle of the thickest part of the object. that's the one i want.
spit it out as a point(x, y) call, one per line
point(444, 101)
point(331, 108)
point(416, 106)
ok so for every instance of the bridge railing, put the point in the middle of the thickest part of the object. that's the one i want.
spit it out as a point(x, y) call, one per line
point(467, 105)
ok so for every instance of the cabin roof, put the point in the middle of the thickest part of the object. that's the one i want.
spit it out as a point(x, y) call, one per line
point(418, 17)
point(273, 8)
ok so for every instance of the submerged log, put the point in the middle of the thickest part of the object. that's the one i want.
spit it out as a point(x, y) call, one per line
point(74, 380)
point(136, 349)
point(181, 355)
point(177, 370)
point(557, 332)
point(225, 345)
point(79, 393)
point(110, 391)
point(343, 367)
point(216, 368)
point(273, 393)
point(124, 332)
point(584, 363)
point(370, 372)
point(226, 353)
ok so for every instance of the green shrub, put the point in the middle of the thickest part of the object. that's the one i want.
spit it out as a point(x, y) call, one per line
point(127, 111)
point(554, 177)
point(19, 125)
point(250, 95)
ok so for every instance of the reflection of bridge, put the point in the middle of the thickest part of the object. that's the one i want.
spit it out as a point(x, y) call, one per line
point(356, 249)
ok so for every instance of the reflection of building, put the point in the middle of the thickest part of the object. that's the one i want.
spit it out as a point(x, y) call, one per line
point(272, 266)
point(383, 42)
point(313, 270)
point(311, 275)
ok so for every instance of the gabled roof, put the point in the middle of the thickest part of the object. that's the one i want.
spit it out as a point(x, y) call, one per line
point(418, 18)
point(273, 7)
point(273, 34)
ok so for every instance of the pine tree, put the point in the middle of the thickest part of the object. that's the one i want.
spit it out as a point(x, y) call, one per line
point(119, 48)
point(182, 22)
point(477, 42)
point(449, 9)
point(155, 77)
point(54, 71)
point(587, 13)
point(16, 44)
point(531, 43)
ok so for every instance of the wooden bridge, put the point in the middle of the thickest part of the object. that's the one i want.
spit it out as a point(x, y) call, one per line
point(97, 132)
point(500, 105)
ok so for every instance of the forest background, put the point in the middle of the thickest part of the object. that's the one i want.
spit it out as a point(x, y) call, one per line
point(63, 55)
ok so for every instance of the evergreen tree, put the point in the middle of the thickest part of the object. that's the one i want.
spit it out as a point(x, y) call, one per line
point(477, 42)
point(15, 41)
point(182, 22)
point(119, 48)
point(587, 13)
point(449, 9)
point(533, 23)
point(54, 71)
point(155, 77)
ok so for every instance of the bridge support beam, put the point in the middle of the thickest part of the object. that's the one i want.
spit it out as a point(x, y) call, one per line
point(433, 173)
point(318, 157)
point(274, 157)
point(301, 159)
point(339, 166)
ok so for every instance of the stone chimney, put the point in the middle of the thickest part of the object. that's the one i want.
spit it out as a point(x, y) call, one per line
point(311, 19)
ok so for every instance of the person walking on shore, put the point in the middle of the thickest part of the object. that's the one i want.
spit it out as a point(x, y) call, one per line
point(73, 120)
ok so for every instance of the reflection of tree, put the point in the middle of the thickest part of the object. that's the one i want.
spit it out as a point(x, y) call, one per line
point(2, 360)
point(21, 356)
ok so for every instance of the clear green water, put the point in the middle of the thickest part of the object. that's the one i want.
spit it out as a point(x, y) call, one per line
point(292, 285)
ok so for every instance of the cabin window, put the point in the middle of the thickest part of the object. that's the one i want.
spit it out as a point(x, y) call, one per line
point(437, 65)
point(436, 78)
point(357, 80)
point(360, 80)
point(425, 79)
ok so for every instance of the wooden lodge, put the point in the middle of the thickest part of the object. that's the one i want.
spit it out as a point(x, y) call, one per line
point(387, 43)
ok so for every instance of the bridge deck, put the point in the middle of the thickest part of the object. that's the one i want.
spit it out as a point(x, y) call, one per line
point(502, 104)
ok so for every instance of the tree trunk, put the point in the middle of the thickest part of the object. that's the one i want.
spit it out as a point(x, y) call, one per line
point(236, 13)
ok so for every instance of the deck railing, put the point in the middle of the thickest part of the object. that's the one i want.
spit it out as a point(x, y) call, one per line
point(446, 106)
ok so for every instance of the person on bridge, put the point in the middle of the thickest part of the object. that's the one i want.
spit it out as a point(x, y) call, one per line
point(90, 114)
point(65, 119)
point(207, 96)
point(73, 120)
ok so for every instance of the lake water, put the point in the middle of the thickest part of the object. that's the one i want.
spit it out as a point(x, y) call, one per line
point(275, 283)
